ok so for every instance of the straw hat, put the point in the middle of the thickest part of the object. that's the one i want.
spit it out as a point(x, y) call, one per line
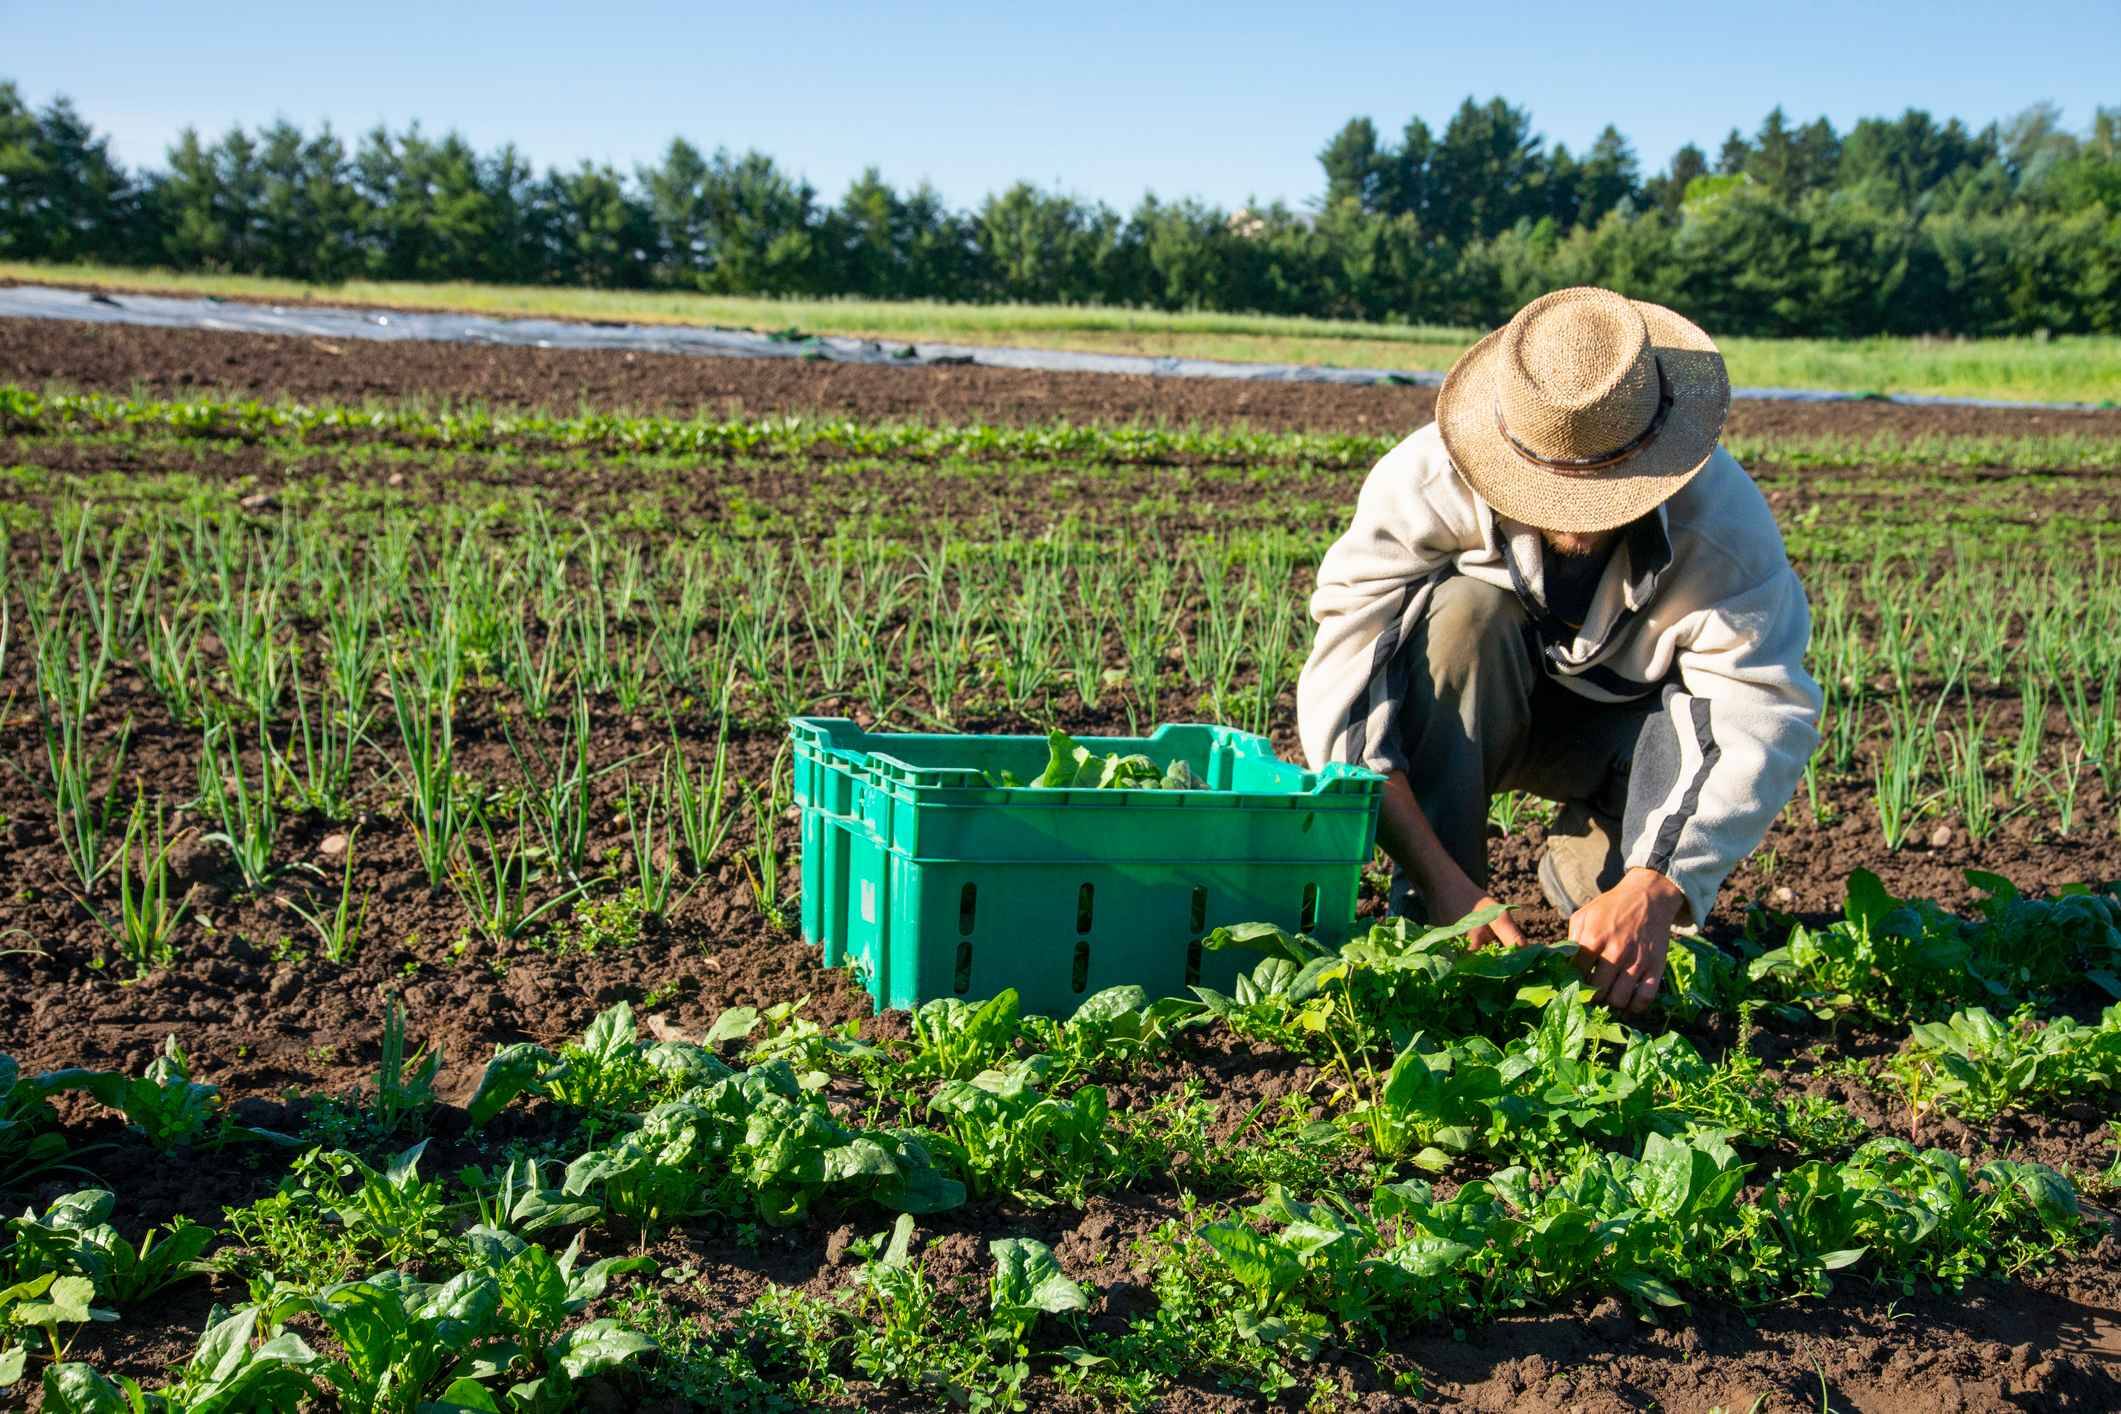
point(1585, 411)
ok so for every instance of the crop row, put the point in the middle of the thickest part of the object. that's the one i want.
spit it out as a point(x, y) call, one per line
point(28, 411)
point(1630, 1164)
point(326, 679)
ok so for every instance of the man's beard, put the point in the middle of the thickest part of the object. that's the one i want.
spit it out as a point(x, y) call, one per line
point(1576, 545)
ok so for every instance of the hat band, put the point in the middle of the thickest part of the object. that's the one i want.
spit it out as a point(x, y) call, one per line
point(1579, 466)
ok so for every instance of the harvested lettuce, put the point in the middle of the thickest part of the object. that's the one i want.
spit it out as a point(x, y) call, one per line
point(1072, 766)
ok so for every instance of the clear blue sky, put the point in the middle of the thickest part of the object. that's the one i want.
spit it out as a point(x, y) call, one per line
point(1225, 102)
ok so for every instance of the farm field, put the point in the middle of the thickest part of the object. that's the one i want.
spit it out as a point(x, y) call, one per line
point(371, 711)
point(2068, 368)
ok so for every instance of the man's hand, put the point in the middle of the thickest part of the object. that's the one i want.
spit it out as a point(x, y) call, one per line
point(1450, 899)
point(1621, 937)
point(1447, 891)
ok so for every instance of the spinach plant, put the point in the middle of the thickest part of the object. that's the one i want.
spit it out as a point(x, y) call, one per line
point(74, 1237)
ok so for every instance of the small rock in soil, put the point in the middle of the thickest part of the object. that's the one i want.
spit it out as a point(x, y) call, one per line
point(260, 501)
point(1940, 837)
point(332, 846)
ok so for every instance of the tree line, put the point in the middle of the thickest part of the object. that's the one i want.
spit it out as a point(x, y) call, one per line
point(1900, 225)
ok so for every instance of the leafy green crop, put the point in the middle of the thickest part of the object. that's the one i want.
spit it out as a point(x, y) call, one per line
point(1918, 1210)
point(1979, 1067)
point(904, 1333)
point(755, 1142)
point(1650, 1228)
point(1007, 1137)
point(956, 1040)
point(227, 1372)
point(334, 1212)
point(516, 1198)
point(1394, 980)
point(399, 1345)
point(75, 1237)
point(609, 1072)
point(32, 1313)
point(1119, 1028)
point(1898, 960)
point(29, 1141)
point(1072, 766)
point(781, 1033)
point(1575, 1076)
point(165, 1104)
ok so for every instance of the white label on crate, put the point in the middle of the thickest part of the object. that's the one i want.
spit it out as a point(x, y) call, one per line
point(868, 900)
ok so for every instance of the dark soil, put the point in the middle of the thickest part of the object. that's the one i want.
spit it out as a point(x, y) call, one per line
point(275, 1027)
point(184, 362)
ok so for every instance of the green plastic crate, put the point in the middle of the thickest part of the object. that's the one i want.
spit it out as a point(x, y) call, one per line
point(930, 881)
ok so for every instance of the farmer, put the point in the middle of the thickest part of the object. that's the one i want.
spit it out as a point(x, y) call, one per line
point(1563, 585)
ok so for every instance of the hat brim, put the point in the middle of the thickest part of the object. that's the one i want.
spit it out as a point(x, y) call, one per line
point(1537, 496)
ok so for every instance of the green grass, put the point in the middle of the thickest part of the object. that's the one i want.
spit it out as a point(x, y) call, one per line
point(2071, 369)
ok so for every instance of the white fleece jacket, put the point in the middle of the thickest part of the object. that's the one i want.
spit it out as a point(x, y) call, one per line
point(1701, 605)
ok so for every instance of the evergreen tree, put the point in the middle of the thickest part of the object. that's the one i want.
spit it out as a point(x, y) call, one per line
point(1483, 175)
point(1611, 175)
point(1668, 190)
point(677, 206)
point(602, 238)
point(1355, 166)
point(1907, 225)
point(763, 229)
point(61, 195)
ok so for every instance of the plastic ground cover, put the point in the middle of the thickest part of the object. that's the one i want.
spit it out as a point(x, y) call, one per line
point(339, 322)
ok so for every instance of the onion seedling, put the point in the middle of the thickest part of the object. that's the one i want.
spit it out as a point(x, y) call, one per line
point(1899, 773)
point(655, 863)
point(700, 800)
point(339, 931)
point(496, 893)
point(425, 712)
point(1968, 785)
point(2032, 731)
point(762, 864)
point(247, 812)
point(148, 918)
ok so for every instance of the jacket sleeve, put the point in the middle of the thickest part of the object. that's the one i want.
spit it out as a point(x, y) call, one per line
point(1746, 715)
point(1371, 588)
